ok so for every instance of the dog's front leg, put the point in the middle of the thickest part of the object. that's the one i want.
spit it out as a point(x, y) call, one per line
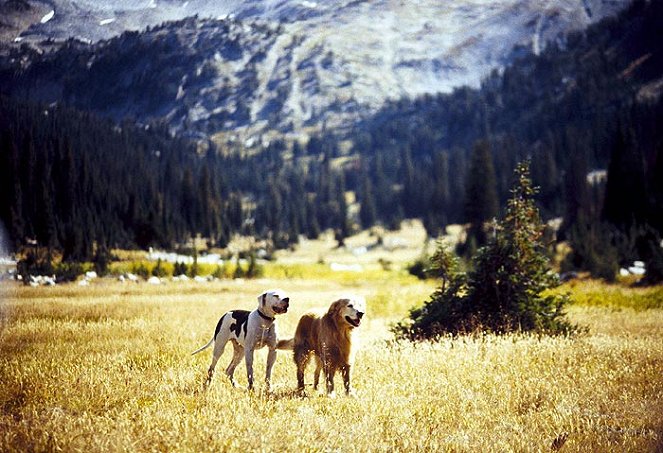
point(345, 371)
point(248, 357)
point(271, 358)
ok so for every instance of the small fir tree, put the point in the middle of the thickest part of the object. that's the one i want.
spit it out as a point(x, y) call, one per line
point(481, 202)
point(506, 291)
point(512, 272)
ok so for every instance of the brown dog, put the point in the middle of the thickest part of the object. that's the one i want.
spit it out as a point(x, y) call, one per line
point(329, 339)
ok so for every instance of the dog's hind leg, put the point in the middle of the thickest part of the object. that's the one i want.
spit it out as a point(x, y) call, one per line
point(316, 374)
point(219, 346)
point(301, 357)
point(238, 353)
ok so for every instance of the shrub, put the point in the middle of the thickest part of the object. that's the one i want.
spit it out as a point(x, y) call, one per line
point(593, 249)
point(68, 271)
point(219, 272)
point(159, 270)
point(141, 270)
point(254, 270)
point(193, 269)
point(180, 268)
point(506, 290)
point(101, 261)
point(418, 267)
point(239, 272)
point(36, 262)
point(654, 260)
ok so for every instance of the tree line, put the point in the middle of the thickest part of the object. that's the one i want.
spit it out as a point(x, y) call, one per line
point(78, 184)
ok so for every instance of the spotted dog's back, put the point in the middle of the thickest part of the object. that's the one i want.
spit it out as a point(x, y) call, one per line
point(238, 321)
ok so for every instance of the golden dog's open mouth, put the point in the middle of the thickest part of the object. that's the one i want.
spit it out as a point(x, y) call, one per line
point(353, 322)
point(279, 310)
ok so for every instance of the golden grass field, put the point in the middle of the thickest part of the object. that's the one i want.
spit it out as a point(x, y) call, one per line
point(108, 368)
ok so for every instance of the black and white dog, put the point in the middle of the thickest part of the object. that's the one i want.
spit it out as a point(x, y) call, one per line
point(249, 331)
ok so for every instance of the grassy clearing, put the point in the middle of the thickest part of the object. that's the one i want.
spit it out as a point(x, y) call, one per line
point(107, 368)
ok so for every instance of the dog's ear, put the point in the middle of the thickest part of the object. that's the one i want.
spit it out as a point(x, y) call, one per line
point(262, 298)
point(336, 306)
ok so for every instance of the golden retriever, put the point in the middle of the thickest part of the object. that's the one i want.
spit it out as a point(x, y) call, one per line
point(328, 338)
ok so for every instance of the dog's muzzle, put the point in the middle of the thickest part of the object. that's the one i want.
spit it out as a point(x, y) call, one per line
point(283, 308)
point(355, 322)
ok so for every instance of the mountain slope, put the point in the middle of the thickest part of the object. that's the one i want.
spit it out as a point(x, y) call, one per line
point(569, 110)
point(303, 65)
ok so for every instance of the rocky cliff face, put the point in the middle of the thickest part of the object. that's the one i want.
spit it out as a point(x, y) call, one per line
point(246, 67)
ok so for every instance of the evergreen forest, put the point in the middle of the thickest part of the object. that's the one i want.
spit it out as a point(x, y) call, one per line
point(586, 111)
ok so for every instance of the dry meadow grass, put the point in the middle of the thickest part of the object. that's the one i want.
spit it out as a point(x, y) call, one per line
point(108, 368)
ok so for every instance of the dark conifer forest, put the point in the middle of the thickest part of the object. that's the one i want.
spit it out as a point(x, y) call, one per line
point(591, 102)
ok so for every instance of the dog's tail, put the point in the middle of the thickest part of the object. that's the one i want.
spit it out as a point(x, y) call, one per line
point(204, 347)
point(287, 345)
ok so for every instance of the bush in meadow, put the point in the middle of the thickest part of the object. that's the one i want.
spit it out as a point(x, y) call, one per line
point(506, 289)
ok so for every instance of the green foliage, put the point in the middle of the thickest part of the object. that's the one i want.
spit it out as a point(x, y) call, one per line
point(101, 261)
point(68, 271)
point(180, 268)
point(655, 266)
point(140, 269)
point(193, 269)
point(36, 262)
point(592, 250)
point(419, 267)
point(219, 272)
point(159, 270)
point(40, 262)
point(625, 194)
point(254, 269)
point(239, 271)
point(507, 289)
point(481, 202)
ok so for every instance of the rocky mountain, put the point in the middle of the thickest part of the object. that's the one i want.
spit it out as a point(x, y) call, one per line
point(248, 67)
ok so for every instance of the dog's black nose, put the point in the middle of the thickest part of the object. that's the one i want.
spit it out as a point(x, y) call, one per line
point(287, 301)
point(360, 314)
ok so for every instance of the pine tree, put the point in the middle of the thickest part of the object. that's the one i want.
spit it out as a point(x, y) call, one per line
point(511, 273)
point(481, 201)
point(625, 193)
point(438, 213)
point(505, 291)
point(367, 214)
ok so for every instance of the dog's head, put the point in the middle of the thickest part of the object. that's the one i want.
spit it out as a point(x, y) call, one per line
point(349, 310)
point(273, 302)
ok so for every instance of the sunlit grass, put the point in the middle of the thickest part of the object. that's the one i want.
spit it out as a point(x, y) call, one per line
point(598, 294)
point(108, 368)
